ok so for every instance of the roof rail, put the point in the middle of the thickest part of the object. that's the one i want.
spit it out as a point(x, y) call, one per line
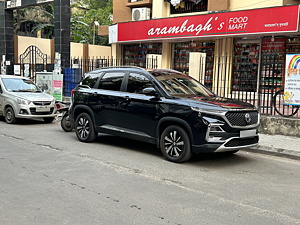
point(135, 67)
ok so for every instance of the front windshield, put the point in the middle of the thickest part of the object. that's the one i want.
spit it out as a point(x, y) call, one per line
point(20, 85)
point(178, 84)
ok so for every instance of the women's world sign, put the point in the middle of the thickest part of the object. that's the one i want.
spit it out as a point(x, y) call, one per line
point(266, 20)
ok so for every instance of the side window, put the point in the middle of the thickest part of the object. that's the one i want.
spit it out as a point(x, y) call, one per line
point(90, 79)
point(111, 81)
point(137, 82)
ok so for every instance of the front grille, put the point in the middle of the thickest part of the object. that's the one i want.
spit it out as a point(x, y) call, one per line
point(42, 103)
point(34, 112)
point(241, 142)
point(239, 118)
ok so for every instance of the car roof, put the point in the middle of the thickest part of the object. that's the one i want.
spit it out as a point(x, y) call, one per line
point(13, 76)
point(131, 68)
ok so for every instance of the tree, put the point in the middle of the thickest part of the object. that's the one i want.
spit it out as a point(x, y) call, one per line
point(29, 20)
point(87, 12)
point(83, 15)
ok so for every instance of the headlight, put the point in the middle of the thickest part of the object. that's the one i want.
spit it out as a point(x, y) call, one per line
point(209, 110)
point(22, 101)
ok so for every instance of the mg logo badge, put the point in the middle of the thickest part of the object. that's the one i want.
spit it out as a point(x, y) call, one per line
point(247, 118)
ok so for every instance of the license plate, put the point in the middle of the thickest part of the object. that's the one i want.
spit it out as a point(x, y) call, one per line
point(247, 133)
point(43, 109)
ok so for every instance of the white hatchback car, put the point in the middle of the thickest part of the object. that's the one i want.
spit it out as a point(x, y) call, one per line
point(21, 98)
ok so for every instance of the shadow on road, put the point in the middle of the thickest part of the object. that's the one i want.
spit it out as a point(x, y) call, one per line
point(219, 159)
point(25, 121)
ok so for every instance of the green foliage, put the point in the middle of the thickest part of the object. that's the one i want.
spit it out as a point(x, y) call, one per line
point(82, 26)
point(84, 15)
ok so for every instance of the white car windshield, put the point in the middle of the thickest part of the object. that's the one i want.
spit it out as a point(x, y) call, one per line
point(20, 85)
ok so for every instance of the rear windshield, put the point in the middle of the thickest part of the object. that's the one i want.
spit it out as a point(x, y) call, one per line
point(20, 85)
point(178, 84)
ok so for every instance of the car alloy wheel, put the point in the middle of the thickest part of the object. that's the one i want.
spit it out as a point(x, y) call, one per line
point(84, 128)
point(175, 144)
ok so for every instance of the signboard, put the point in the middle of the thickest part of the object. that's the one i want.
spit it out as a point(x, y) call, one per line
point(43, 81)
point(17, 69)
point(264, 20)
point(292, 80)
point(268, 45)
point(57, 86)
point(51, 83)
point(57, 63)
point(24, 3)
point(3, 67)
point(26, 70)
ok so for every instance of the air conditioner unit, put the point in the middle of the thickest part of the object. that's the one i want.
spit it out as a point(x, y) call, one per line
point(140, 14)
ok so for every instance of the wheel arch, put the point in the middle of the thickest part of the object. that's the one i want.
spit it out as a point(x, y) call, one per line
point(9, 105)
point(81, 109)
point(167, 121)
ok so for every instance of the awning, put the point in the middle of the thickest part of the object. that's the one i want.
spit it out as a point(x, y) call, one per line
point(264, 21)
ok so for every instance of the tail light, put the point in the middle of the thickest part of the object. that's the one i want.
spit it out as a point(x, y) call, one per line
point(72, 92)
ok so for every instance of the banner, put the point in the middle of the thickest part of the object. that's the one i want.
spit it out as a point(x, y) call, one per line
point(292, 80)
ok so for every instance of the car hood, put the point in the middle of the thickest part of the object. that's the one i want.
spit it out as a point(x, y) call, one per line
point(34, 96)
point(219, 103)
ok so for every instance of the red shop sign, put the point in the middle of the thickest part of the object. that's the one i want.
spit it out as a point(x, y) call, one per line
point(269, 44)
point(266, 20)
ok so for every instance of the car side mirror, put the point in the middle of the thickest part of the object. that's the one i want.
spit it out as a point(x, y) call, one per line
point(150, 91)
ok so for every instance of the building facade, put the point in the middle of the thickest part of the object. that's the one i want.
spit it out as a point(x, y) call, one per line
point(239, 45)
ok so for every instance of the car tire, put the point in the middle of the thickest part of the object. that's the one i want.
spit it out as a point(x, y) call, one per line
point(84, 128)
point(10, 115)
point(175, 144)
point(66, 124)
point(48, 119)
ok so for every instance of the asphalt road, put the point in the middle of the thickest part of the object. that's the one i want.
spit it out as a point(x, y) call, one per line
point(48, 177)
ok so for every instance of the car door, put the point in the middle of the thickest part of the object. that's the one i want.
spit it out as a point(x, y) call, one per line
point(138, 112)
point(104, 99)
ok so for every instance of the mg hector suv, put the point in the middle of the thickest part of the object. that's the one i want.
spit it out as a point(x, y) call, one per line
point(163, 107)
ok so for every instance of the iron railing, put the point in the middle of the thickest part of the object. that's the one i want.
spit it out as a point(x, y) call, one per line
point(255, 83)
point(189, 7)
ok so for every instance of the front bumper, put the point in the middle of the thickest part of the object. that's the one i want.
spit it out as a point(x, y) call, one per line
point(33, 111)
point(231, 144)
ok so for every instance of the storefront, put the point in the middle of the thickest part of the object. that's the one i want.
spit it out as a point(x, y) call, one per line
point(259, 41)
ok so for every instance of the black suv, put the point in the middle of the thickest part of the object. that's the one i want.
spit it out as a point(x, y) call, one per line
point(163, 107)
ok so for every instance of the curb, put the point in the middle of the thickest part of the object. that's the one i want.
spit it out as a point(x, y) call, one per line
point(271, 150)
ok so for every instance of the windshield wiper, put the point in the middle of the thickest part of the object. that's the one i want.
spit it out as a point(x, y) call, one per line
point(26, 90)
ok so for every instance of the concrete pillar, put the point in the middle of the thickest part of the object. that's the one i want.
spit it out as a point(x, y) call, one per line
point(62, 30)
point(6, 36)
point(223, 66)
point(160, 9)
point(166, 55)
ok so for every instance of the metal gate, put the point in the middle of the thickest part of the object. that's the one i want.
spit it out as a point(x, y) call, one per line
point(33, 60)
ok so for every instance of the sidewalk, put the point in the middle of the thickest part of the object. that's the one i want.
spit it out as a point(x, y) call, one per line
point(286, 146)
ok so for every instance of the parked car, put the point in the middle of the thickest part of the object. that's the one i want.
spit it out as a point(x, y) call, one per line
point(163, 107)
point(21, 98)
